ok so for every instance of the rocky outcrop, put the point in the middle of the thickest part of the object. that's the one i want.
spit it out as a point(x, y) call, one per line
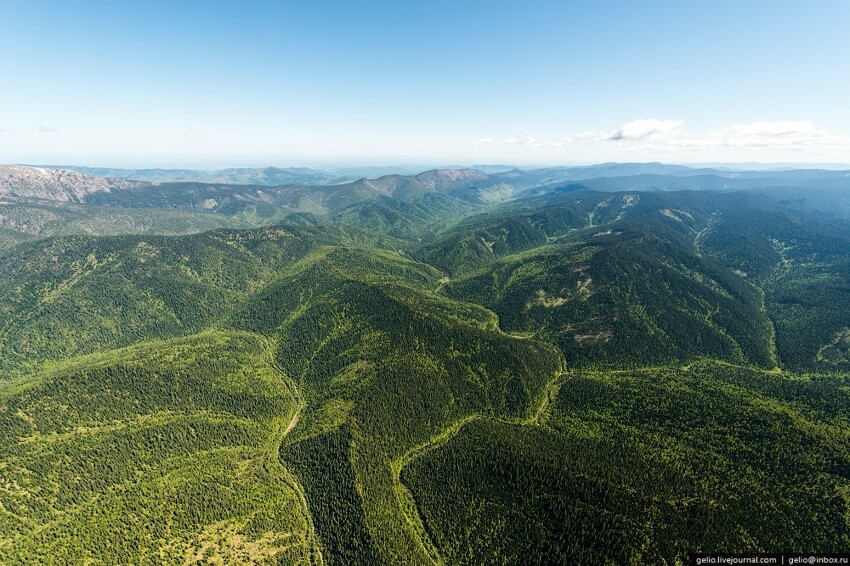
point(56, 184)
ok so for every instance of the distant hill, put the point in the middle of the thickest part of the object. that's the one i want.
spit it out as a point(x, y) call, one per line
point(266, 176)
point(396, 204)
point(322, 200)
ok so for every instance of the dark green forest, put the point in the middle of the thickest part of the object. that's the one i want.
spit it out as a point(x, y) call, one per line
point(475, 372)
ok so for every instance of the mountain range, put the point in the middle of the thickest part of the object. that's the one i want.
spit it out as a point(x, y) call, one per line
point(617, 364)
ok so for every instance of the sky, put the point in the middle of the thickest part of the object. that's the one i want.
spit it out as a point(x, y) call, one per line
point(292, 83)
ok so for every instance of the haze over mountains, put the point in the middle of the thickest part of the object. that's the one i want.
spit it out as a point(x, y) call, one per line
point(74, 183)
point(623, 363)
point(238, 176)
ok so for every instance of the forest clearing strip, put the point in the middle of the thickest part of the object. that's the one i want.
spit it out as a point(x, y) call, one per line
point(404, 497)
point(272, 455)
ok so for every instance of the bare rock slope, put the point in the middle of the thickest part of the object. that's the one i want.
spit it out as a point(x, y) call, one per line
point(56, 184)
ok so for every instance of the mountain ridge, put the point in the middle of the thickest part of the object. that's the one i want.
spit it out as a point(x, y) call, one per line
point(56, 184)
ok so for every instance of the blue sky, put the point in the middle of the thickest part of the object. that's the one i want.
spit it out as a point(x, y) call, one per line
point(302, 82)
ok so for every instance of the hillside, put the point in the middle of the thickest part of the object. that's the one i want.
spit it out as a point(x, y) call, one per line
point(644, 467)
point(644, 278)
point(171, 439)
point(29, 218)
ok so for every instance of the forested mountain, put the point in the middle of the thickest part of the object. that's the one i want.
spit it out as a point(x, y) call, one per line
point(620, 364)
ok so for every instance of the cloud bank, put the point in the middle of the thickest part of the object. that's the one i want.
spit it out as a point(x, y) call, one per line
point(665, 136)
point(637, 130)
point(531, 141)
point(654, 134)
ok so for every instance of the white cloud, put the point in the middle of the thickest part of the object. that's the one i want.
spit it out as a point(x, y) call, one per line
point(647, 130)
point(4, 130)
point(524, 139)
point(47, 130)
point(531, 141)
point(669, 135)
point(771, 134)
point(777, 129)
point(481, 141)
point(637, 130)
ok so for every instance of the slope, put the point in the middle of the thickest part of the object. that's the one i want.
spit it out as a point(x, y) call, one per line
point(646, 467)
point(612, 279)
point(77, 295)
point(161, 452)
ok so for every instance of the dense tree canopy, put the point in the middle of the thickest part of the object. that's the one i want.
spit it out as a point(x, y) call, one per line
point(576, 377)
